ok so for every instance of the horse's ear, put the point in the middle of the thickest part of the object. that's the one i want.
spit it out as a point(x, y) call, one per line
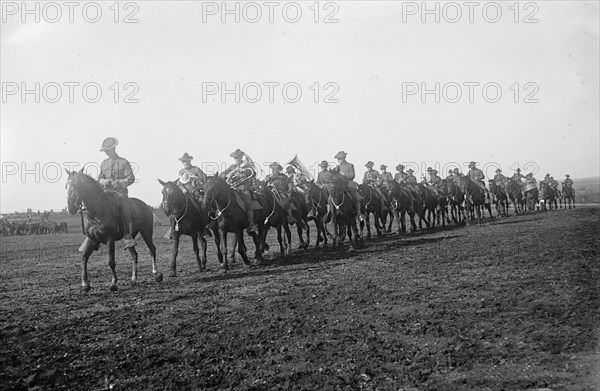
point(68, 172)
point(81, 171)
point(162, 183)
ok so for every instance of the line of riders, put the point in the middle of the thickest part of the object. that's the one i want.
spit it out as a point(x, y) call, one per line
point(290, 187)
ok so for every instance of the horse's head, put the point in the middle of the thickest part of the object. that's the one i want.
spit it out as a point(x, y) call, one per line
point(463, 183)
point(172, 196)
point(78, 184)
point(213, 185)
point(339, 184)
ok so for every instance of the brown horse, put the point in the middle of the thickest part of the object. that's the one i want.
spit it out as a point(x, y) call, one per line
point(516, 195)
point(475, 198)
point(317, 199)
point(187, 218)
point(300, 213)
point(501, 198)
point(277, 217)
point(344, 212)
point(403, 203)
point(548, 195)
point(568, 195)
point(455, 200)
point(103, 225)
point(228, 216)
point(429, 204)
point(372, 204)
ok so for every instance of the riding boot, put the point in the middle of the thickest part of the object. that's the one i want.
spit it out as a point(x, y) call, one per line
point(361, 216)
point(251, 225)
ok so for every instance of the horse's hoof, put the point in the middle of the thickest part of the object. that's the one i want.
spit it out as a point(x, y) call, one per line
point(113, 288)
point(85, 288)
point(158, 277)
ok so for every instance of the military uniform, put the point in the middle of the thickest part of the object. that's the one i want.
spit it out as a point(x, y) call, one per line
point(283, 186)
point(346, 170)
point(243, 163)
point(195, 177)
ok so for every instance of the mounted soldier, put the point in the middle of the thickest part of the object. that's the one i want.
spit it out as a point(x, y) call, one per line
point(568, 182)
point(500, 179)
point(385, 176)
point(451, 176)
point(477, 176)
point(518, 177)
point(433, 181)
point(239, 176)
point(373, 179)
point(115, 176)
point(282, 187)
point(410, 179)
point(400, 175)
point(297, 179)
point(191, 178)
point(346, 170)
point(324, 177)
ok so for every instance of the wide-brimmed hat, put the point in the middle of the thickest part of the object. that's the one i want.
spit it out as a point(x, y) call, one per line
point(109, 143)
point(499, 170)
point(290, 169)
point(400, 167)
point(237, 153)
point(186, 158)
point(429, 169)
point(472, 164)
point(434, 171)
point(276, 166)
point(340, 155)
point(518, 169)
point(369, 164)
point(324, 163)
point(456, 170)
point(382, 167)
point(567, 175)
point(410, 170)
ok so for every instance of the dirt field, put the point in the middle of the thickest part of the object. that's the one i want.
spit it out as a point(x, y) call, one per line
point(509, 305)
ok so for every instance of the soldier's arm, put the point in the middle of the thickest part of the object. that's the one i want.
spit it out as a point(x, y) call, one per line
point(351, 173)
point(129, 178)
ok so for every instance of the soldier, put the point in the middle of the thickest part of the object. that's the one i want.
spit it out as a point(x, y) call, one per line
point(554, 184)
point(451, 176)
point(434, 181)
point(283, 186)
point(410, 179)
point(241, 166)
point(191, 178)
point(400, 175)
point(518, 177)
point(385, 176)
point(500, 179)
point(324, 177)
point(477, 176)
point(115, 175)
point(346, 170)
point(372, 178)
point(297, 179)
point(568, 182)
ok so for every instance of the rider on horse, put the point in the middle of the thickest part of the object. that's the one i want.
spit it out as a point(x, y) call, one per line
point(346, 170)
point(477, 176)
point(410, 178)
point(373, 179)
point(451, 177)
point(239, 175)
point(191, 178)
point(568, 182)
point(283, 188)
point(400, 175)
point(433, 181)
point(324, 177)
point(385, 176)
point(297, 180)
point(115, 175)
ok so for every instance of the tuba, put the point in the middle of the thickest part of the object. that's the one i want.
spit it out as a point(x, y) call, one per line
point(241, 176)
point(186, 177)
point(296, 163)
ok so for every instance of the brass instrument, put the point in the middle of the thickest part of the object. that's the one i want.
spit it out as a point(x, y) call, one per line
point(296, 163)
point(186, 177)
point(240, 176)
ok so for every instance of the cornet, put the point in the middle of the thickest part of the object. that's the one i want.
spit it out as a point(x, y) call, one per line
point(186, 177)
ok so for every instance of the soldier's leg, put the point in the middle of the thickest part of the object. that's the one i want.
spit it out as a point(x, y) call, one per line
point(287, 205)
point(249, 212)
point(356, 198)
point(127, 222)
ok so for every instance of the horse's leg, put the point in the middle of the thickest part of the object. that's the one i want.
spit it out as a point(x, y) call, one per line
point(224, 261)
point(287, 232)
point(258, 254)
point(203, 251)
point(242, 246)
point(174, 252)
point(282, 246)
point(134, 262)
point(368, 224)
point(112, 264)
point(335, 231)
point(88, 249)
point(300, 232)
point(353, 230)
point(147, 236)
point(194, 236)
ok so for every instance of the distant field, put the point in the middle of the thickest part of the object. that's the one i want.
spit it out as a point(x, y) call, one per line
point(587, 190)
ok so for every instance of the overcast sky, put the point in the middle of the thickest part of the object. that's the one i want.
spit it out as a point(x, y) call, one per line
point(371, 65)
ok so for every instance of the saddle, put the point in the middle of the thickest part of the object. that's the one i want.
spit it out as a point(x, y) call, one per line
point(243, 199)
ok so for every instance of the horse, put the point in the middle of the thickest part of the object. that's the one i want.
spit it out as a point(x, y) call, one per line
point(277, 217)
point(344, 213)
point(548, 195)
point(219, 197)
point(568, 195)
point(429, 204)
point(187, 218)
point(373, 204)
point(532, 199)
point(516, 195)
point(501, 198)
point(402, 203)
point(103, 226)
point(442, 209)
point(455, 200)
point(475, 198)
point(317, 198)
point(300, 214)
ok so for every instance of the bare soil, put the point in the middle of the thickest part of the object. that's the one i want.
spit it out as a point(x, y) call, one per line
point(508, 305)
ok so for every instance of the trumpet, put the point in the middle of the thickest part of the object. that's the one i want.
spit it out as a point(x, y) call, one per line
point(295, 162)
point(185, 177)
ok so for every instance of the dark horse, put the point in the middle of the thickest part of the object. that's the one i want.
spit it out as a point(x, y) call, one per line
point(276, 217)
point(300, 213)
point(568, 195)
point(548, 195)
point(402, 203)
point(429, 203)
point(501, 198)
point(344, 212)
point(103, 224)
point(475, 197)
point(373, 205)
point(455, 200)
point(516, 195)
point(317, 199)
point(187, 218)
point(230, 217)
